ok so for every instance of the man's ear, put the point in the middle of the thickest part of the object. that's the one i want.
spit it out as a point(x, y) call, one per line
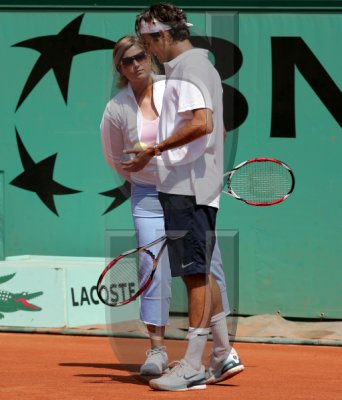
point(162, 33)
point(165, 36)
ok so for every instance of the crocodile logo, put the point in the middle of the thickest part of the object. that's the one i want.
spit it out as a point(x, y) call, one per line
point(12, 302)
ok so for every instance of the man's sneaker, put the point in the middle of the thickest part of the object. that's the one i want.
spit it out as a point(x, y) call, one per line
point(221, 370)
point(181, 377)
point(156, 361)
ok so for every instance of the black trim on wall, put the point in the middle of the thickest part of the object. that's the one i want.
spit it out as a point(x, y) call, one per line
point(194, 4)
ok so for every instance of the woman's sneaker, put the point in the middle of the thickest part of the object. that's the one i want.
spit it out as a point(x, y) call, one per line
point(181, 377)
point(156, 362)
point(222, 369)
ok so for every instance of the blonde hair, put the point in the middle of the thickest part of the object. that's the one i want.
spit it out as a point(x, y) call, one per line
point(121, 46)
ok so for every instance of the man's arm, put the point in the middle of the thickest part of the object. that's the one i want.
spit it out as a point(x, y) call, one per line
point(200, 125)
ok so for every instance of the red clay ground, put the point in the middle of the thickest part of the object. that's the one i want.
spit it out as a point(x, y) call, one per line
point(48, 367)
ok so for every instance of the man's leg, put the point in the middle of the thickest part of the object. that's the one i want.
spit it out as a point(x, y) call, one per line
point(204, 300)
point(188, 258)
point(199, 311)
point(189, 373)
point(216, 270)
point(225, 362)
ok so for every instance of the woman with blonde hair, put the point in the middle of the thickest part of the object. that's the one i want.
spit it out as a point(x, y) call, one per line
point(131, 120)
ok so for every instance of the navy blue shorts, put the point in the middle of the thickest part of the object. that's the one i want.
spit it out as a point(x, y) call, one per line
point(192, 253)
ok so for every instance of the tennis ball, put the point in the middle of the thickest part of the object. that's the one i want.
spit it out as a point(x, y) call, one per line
point(140, 145)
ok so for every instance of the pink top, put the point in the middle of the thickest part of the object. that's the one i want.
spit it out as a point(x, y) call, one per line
point(149, 131)
point(148, 136)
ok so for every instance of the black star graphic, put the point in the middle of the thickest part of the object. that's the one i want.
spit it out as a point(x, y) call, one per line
point(38, 177)
point(57, 52)
point(120, 194)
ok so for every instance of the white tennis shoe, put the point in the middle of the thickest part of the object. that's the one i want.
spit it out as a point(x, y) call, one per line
point(182, 376)
point(223, 369)
point(156, 362)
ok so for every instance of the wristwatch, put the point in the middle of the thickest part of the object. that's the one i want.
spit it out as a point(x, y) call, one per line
point(157, 151)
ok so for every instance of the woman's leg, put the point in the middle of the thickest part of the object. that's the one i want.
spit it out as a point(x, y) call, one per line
point(155, 301)
point(216, 269)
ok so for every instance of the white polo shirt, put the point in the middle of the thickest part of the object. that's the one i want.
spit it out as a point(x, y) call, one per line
point(194, 169)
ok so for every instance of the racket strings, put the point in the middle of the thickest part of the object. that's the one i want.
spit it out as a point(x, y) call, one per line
point(261, 182)
point(125, 278)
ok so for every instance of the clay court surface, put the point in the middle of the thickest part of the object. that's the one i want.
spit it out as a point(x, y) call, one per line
point(46, 367)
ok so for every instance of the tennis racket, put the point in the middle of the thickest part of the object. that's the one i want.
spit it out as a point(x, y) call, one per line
point(260, 182)
point(129, 274)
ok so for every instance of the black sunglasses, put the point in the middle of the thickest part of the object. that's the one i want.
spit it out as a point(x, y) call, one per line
point(130, 60)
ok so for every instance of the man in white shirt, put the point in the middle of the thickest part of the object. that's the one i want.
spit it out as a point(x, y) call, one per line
point(189, 181)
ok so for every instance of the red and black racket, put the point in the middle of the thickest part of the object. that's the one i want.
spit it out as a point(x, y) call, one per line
point(260, 182)
point(126, 277)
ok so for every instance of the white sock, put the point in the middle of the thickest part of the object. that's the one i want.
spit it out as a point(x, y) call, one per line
point(219, 330)
point(197, 340)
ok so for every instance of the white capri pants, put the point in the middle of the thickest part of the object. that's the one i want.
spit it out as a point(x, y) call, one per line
point(148, 221)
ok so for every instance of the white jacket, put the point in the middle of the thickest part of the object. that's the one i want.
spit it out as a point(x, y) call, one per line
point(121, 129)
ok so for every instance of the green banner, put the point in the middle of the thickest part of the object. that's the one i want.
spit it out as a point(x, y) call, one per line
point(281, 75)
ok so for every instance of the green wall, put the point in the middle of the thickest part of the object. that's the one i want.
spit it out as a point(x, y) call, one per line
point(289, 254)
point(199, 4)
point(2, 217)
